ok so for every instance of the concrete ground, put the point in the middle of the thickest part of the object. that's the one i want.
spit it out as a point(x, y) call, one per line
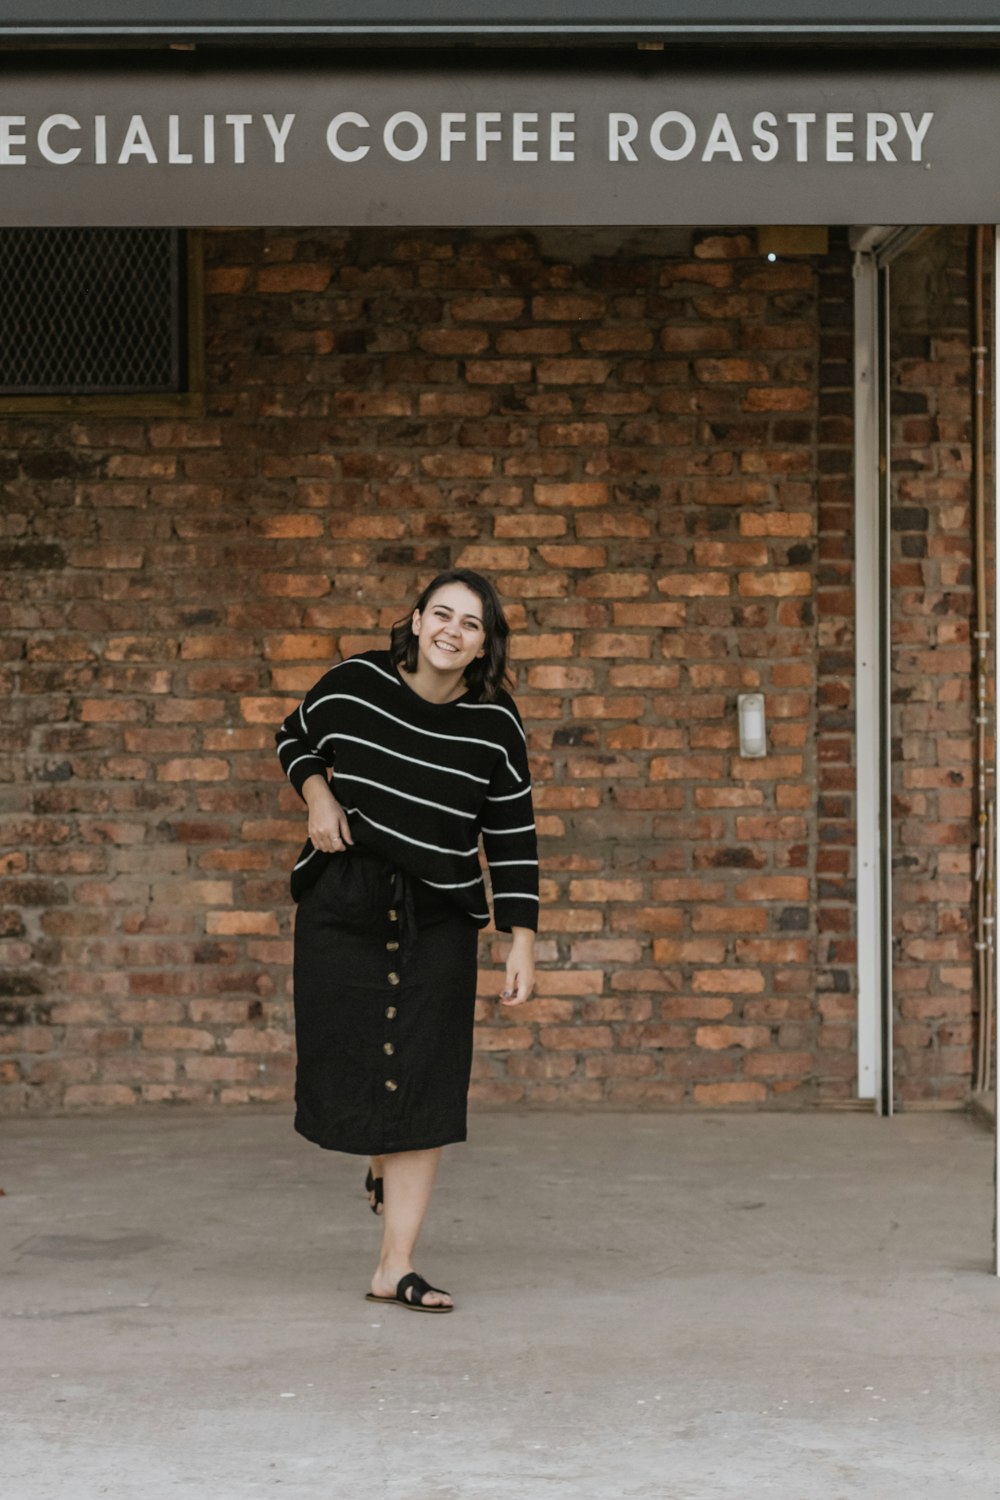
point(661, 1306)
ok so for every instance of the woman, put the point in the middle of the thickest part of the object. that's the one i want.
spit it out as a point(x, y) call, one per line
point(427, 752)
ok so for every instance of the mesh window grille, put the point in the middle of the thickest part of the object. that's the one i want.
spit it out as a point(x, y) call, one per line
point(89, 312)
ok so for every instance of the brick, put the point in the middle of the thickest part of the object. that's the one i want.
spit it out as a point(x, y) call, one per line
point(570, 496)
point(301, 647)
point(224, 923)
point(697, 338)
point(556, 371)
point(555, 307)
point(533, 647)
point(313, 277)
point(575, 1038)
point(729, 370)
point(773, 888)
point(721, 1095)
point(569, 982)
point(534, 341)
point(778, 585)
point(717, 1037)
point(486, 309)
point(741, 919)
point(614, 644)
point(571, 556)
point(777, 398)
point(177, 1039)
point(519, 526)
point(196, 769)
point(696, 1007)
point(695, 585)
point(99, 1096)
point(613, 586)
point(487, 558)
point(779, 1065)
point(498, 371)
point(619, 1065)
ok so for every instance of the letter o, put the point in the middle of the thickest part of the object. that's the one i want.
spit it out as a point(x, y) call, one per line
point(333, 131)
point(672, 117)
point(405, 117)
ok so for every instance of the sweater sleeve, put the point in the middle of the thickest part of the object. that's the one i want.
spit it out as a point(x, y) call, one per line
point(508, 829)
point(296, 742)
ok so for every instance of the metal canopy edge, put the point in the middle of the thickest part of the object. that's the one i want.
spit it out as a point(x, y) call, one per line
point(906, 19)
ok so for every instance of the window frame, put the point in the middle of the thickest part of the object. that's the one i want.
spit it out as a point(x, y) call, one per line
point(190, 402)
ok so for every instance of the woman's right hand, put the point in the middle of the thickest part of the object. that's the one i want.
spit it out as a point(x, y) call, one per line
point(329, 829)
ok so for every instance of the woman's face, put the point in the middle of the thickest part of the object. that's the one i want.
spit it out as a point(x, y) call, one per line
point(450, 632)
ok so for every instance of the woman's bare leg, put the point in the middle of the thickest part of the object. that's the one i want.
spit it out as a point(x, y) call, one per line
point(407, 1186)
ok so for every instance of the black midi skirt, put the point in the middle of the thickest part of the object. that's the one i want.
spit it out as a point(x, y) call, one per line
point(384, 992)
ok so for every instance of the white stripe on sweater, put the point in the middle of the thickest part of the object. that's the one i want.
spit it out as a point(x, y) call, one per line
point(461, 739)
point(363, 662)
point(437, 848)
point(527, 828)
point(499, 708)
point(410, 759)
point(311, 756)
point(407, 796)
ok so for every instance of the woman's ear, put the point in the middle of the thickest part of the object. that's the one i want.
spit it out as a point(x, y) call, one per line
point(415, 622)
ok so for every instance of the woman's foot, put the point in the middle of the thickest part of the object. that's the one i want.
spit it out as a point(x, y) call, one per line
point(387, 1278)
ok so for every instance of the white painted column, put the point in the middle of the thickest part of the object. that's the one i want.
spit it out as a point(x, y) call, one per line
point(996, 679)
point(867, 711)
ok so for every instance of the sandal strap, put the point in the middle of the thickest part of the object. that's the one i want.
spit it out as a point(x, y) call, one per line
point(420, 1288)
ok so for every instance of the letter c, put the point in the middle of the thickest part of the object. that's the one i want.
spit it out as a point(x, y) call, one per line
point(333, 130)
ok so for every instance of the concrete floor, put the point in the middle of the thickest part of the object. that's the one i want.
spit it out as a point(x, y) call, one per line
point(661, 1306)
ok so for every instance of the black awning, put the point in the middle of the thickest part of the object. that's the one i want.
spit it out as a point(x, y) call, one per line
point(232, 20)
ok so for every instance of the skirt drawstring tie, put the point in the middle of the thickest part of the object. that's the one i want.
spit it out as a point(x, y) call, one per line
point(406, 909)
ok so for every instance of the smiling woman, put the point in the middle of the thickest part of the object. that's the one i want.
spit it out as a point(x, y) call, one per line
point(427, 753)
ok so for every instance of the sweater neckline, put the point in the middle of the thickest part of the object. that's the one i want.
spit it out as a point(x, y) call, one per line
point(419, 698)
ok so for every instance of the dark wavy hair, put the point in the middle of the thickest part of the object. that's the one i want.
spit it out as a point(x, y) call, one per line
point(487, 674)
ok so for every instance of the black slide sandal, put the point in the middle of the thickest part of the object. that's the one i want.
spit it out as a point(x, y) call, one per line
point(420, 1289)
point(374, 1184)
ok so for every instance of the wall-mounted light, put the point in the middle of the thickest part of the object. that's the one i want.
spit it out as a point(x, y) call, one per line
point(753, 728)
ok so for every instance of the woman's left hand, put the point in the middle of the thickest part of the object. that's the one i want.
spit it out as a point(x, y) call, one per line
point(520, 968)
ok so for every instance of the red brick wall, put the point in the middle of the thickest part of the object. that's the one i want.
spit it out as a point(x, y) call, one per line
point(644, 452)
point(932, 665)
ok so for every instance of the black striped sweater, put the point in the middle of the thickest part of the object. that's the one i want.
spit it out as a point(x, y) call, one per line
point(420, 782)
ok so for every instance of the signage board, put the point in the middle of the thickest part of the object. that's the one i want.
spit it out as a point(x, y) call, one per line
point(457, 146)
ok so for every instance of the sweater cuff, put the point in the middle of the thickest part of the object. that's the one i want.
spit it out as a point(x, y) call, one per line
point(514, 911)
point(303, 767)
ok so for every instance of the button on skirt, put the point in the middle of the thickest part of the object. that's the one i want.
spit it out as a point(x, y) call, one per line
point(384, 1011)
